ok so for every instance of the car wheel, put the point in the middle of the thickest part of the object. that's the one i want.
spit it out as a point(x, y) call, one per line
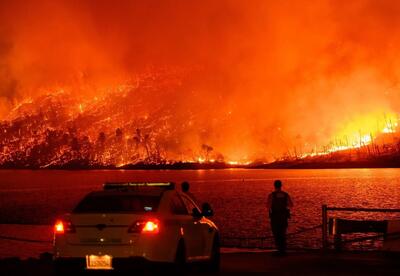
point(213, 265)
point(62, 267)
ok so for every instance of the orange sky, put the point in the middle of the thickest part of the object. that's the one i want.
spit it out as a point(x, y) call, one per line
point(265, 76)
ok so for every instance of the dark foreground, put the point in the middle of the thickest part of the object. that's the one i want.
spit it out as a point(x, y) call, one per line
point(298, 263)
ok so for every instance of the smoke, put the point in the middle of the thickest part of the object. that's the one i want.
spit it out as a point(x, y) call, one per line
point(262, 77)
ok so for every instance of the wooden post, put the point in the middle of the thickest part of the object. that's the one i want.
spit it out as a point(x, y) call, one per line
point(324, 227)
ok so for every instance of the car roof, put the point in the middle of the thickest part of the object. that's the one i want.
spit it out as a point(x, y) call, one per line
point(138, 185)
point(141, 192)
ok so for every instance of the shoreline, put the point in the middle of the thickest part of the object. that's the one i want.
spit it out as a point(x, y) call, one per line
point(299, 164)
point(333, 161)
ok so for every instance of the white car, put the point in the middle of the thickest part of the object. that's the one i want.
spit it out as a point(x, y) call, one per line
point(134, 223)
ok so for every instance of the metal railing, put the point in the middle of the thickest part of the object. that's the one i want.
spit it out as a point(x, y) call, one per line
point(245, 242)
point(325, 224)
point(23, 239)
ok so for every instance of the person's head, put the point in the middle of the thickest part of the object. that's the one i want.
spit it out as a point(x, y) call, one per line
point(277, 184)
point(185, 186)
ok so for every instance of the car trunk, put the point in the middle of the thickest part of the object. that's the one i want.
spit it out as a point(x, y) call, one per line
point(103, 229)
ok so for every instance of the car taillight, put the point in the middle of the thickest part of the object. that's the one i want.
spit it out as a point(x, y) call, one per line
point(62, 226)
point(145, 226)
point(59, 227)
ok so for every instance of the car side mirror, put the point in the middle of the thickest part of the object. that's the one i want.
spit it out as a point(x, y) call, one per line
point(206, 210)
point(196, 213)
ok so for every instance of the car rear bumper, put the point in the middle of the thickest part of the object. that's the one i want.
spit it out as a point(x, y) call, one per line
point(148, 252)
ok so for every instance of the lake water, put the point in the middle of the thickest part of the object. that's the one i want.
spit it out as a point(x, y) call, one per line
point(238, 196)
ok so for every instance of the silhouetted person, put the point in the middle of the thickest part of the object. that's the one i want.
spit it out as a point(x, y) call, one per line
point(278, 205)
point(185, 188)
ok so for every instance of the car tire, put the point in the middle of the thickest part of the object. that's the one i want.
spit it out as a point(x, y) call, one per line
point(62, 267)
point(213, 265)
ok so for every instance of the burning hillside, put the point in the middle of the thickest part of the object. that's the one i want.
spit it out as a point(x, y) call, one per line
point(122, 126)
point(119, 126)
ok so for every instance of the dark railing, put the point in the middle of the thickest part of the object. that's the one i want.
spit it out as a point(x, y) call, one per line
point(259, 242)
point(23, 239)
point(346, 226)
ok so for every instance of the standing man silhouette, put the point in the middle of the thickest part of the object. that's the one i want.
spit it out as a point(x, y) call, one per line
point(185, 188)
point(279, 204)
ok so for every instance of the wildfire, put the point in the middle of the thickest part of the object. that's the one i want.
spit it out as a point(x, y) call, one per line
point(360, 132)
point(51, 131)
point(201, 160)
point(120, 128)
point(57, 129)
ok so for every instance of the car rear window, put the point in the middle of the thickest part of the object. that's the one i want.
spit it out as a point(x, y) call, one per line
point(118, 204)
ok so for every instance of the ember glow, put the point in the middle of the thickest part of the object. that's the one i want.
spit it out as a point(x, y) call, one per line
point(100, 83)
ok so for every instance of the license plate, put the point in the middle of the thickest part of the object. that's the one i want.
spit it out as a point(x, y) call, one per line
point(98, 262)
